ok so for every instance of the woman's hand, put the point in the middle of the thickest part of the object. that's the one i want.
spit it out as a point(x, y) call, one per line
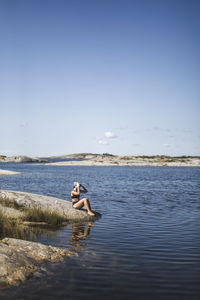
point(84, 189)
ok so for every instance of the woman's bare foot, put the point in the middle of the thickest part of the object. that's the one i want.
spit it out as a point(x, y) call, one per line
point(91, 213)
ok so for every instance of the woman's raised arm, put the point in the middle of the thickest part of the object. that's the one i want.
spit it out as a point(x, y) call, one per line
point(84, 189)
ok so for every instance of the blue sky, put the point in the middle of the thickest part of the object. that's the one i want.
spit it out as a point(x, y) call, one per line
point(99, 76)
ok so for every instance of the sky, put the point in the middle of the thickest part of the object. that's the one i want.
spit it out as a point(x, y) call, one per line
point(100, 76)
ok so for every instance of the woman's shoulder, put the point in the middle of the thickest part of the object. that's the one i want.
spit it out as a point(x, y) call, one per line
point(73, 192)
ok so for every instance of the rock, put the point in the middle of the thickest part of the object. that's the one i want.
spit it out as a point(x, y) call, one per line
point(6, 172)
point(62, 207)
point(19, 259)
point(107, 159)
point(2, 157)
point(20, 159)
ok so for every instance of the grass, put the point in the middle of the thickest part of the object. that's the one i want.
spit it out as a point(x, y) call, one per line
point(5, 201)
point(161, 158)
point(50, 218)
point(126, 158)
point(13, 228)
point(34, 214)
point(10, 228)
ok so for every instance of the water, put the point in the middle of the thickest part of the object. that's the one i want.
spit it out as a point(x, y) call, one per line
point(145, 246)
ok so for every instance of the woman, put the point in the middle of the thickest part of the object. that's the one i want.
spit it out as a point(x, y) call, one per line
point(77, 202)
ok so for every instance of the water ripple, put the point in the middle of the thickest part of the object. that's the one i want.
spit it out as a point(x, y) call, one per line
point(145, 246)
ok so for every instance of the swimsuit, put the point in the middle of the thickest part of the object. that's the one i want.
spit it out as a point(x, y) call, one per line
point(75, 197)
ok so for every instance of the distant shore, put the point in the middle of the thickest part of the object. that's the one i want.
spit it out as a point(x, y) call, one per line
point(6, 172)
point(106, 159)
point(89, 159)
point(19, 159)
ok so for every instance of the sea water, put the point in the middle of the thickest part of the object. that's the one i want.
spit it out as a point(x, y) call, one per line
point(146, 245)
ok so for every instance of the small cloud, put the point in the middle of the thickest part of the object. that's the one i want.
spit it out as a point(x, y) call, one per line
point(109, 135)
point(102, 142)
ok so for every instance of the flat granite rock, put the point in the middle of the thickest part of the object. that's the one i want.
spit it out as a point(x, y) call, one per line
point(7, 172)
point(19, 159)
point(19, 259)
point(62, 207)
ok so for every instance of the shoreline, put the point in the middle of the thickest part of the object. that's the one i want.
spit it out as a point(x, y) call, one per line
point(106, 159)
point(47, 203)
point(21, 257)
point(7, 172)
point(132, 162)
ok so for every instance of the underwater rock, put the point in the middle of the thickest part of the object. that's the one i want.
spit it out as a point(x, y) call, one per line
point(19, 259)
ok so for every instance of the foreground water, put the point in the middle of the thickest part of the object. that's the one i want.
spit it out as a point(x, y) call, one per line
point(145, 246)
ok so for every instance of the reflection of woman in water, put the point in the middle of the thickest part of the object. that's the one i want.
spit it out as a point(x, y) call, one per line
point(79, 231)
point(77, 202)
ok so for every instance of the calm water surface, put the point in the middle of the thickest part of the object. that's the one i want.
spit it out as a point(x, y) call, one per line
point(145, 246)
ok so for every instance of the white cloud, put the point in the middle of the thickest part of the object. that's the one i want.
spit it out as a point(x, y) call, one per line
point(102, 142)
point(109, 135)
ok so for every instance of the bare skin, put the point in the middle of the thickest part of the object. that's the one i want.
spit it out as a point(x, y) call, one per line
point(80, 232)
point(77, 203)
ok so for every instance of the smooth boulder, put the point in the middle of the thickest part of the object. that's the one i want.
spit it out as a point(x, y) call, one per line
point(19, 259)
point(62, 207)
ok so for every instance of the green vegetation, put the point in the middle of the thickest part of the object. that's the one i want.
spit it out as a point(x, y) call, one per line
point(108, 154)
point(163, 158)
point(10, 228)
point(50, 218)
point(153, 157)
point(4, 201)
point(126, 158)
point(14, 227)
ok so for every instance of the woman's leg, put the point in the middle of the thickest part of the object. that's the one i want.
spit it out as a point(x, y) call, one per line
point(84, 202)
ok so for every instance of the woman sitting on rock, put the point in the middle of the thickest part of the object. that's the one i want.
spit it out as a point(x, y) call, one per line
point(77, 202)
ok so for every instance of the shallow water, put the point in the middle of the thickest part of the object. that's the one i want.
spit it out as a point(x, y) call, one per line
point(145, 246)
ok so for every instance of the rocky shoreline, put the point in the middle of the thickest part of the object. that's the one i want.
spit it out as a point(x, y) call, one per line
point(61, 207)
point(105, 159)
point(19, 159)
point(19, 258)
point(89, 159)
point(7, 172)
